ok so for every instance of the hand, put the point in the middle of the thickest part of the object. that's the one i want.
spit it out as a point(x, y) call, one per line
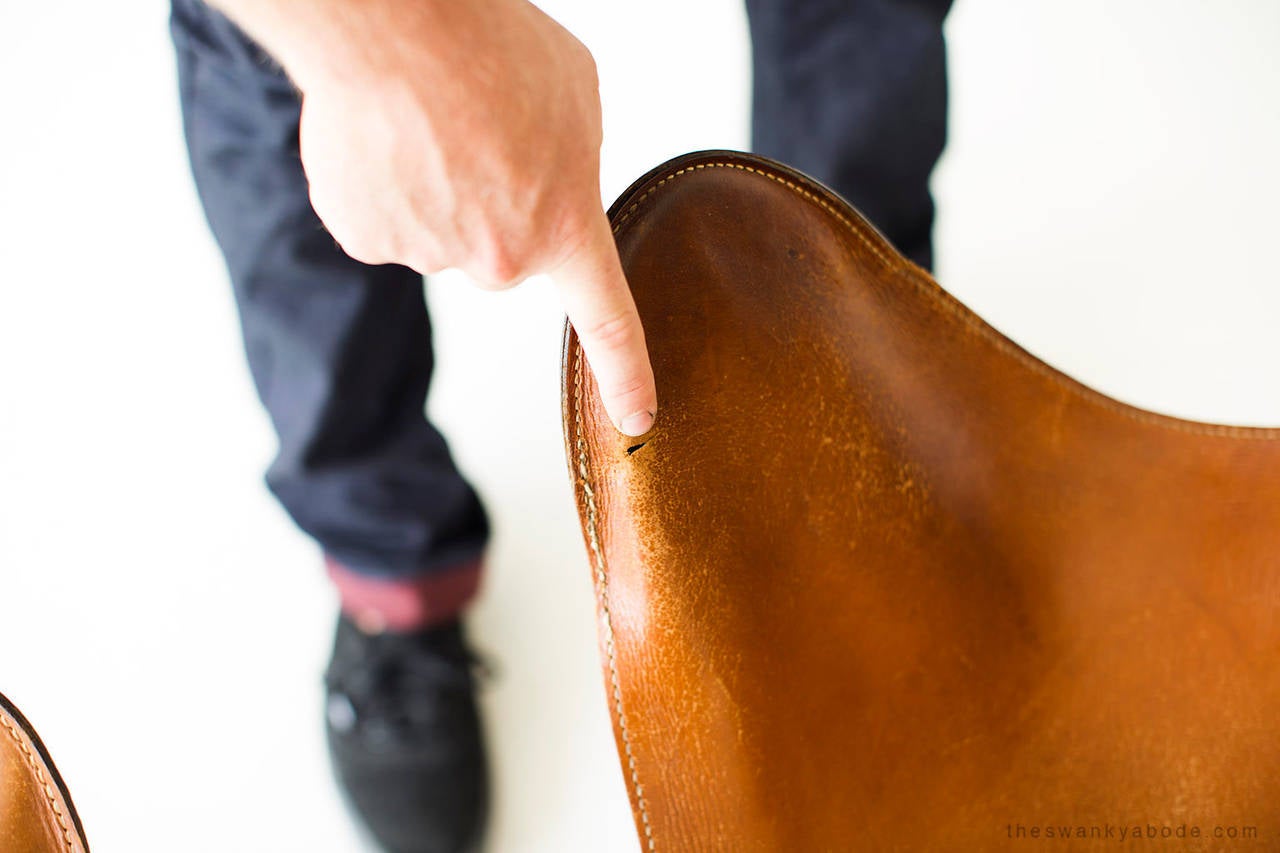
point(438, 133)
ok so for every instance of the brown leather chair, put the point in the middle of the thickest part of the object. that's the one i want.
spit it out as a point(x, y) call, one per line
point(879, 579)
point(36, 812)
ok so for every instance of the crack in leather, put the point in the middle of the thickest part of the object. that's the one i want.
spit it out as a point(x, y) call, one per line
point(893, 577)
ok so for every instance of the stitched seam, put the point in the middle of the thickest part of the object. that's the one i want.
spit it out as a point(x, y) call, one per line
point(786, 182)
point(924, 285)
point(45, 786)
point(602, 595)
point(971, 321)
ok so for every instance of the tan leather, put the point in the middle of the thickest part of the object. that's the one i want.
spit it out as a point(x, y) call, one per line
point(36, 813)
point(881, 580)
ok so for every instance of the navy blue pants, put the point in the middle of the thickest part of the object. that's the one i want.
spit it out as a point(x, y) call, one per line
point(852, 92)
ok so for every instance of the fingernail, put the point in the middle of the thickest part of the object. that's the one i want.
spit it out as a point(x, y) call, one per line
point(637, 423)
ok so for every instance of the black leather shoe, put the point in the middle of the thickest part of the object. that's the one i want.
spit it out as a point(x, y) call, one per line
point(404, 737)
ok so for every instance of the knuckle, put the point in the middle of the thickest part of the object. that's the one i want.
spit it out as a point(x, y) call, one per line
point(627, 388)
point(499, 267)
point(364, 253)
point(507, 261)
point(612, 332)
point(420, 263)
point(485, 282)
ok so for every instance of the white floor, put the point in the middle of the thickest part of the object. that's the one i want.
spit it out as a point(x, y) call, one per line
point(1108, 200)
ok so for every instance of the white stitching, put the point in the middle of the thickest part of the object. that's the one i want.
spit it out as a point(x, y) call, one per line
point(602, 594)
point(922, 283)
point(45, 787)
point(957, 310)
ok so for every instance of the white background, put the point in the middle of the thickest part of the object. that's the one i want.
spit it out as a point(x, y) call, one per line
point(1108, 200)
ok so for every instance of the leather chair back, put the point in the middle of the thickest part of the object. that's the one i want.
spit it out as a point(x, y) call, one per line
point(879, 579)
point(36, 813)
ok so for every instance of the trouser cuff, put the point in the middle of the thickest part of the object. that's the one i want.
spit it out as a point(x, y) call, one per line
point(404, 604)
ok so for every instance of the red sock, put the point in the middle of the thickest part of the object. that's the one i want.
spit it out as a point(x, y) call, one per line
point(403, 605)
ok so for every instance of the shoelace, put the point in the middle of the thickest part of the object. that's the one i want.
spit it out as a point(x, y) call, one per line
point(401, 680)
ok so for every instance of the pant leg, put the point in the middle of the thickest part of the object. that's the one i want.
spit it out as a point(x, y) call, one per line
point(340, 351)
point(854, 93)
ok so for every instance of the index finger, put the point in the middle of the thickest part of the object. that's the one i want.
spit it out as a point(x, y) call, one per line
point(595, 295)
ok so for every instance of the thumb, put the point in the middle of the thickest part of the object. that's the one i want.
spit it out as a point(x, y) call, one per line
point(595, 295)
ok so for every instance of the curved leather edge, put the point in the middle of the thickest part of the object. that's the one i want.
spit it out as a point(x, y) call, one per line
point(573, 374)
point(626, 205)
point(18, 727)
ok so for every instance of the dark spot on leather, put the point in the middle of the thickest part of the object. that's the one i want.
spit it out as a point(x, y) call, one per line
point(633, 448)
